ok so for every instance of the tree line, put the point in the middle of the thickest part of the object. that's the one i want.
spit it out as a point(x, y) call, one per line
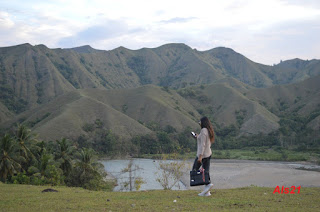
point(161, 141)
point(166, 140)
point(26, 160)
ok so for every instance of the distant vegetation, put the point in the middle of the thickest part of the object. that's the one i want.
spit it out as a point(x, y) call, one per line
point(166, 140)
point(139, 66)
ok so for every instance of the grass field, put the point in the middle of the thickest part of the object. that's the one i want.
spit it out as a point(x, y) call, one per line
point(30, 198)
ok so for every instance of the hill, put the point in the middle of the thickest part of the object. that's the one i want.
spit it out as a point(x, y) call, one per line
point(235, 108)
point(285, 113)
point(34, 75)
point(65, 92)
point(294, 70)
point(125, 112)
point(302, 97)
point(237, 66)
point(226, 103)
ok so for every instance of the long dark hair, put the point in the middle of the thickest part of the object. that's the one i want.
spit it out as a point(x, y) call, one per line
point(205, 123)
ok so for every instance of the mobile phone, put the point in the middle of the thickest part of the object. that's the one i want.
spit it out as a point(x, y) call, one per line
point(193, 134)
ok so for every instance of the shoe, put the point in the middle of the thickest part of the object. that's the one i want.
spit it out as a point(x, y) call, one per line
point(206, 190)
point(201, 194)
point(208, 194)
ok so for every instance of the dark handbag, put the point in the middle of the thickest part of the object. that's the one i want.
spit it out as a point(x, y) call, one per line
point(200, 177)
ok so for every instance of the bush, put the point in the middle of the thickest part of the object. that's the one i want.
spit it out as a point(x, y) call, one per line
point(54, 175)
point(32, 170)
point(88, 127)
point(21, 178)
point(218, 153)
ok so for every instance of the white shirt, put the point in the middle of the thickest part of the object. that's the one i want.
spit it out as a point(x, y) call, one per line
point(204, 144)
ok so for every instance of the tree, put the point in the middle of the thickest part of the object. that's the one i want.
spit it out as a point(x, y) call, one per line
point(186, 142)
point(87, 173)
point(146, 144)
point(85, 163)
point(133, 180)
point(64, 155)
point(25, 140)
point(9, 164)
point(167, 145)
point(170, 173)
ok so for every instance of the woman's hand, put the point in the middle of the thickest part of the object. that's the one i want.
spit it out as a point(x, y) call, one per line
point(200, 159)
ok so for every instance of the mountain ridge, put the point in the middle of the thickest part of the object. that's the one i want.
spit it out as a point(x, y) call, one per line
point(177, 83)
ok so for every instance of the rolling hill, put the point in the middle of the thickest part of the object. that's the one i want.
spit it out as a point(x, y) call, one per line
point(57, 92)
point(226, 103)
point(125, 112)
point(33, 75)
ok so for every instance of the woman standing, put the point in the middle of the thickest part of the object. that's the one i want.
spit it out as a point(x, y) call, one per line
point(204, 141)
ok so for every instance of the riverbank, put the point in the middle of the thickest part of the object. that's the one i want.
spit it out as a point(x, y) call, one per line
point(256, 153)
point(31, 198)
point(227, 174)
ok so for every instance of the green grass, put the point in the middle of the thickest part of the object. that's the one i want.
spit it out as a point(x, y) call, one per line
point(30, 198)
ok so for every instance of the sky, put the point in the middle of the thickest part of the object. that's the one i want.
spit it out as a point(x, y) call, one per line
point(265, 31)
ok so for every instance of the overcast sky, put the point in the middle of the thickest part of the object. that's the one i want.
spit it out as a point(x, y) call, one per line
point(265, 31)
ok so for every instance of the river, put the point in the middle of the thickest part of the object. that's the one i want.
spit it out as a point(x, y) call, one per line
point(147, 169)
point(224, 173)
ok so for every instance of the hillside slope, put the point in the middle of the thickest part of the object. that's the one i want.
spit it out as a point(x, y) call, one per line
point(226, 103)
point(125, 112)
point(302, 97)
point(34, 75)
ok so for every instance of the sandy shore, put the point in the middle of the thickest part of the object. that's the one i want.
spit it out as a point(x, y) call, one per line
point(234, 174)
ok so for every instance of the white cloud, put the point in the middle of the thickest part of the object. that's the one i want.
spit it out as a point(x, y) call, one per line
point(248, 26)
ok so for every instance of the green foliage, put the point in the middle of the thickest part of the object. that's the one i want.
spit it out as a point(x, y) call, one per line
point(228, 131)
point(82, 60)
point(98, 123)
point(169, 173)
point(133, 181)
point(240, 115)
point(170, 129)
point(24, 160)
point(138, 64)
point(147, 144)
point(124, 108)
point(109, 142)
point(87, 172)
point(88, 127)
point(33, 123)
point(154, 126)
point(64, 155)
point(9, 159)
point(186, 142)
point(67, 71)
point(9, 99)
point(166, 89)
point(188, 92)
point(203, 99)
point(167, 145)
